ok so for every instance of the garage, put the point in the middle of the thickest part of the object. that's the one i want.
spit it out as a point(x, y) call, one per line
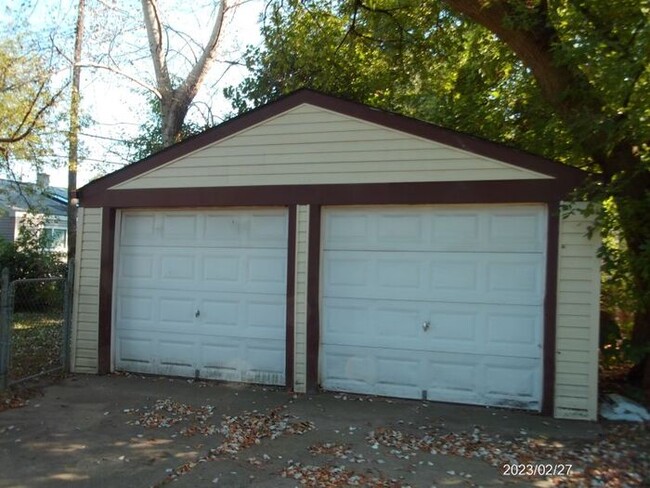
point(324, 245)
point(435, 302)
point(202, 294)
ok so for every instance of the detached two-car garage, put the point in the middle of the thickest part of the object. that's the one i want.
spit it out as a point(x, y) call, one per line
point(319, 243)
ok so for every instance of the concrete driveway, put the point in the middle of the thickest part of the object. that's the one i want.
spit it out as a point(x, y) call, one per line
point(131, 431)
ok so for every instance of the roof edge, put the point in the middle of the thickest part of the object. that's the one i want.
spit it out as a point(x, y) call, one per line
point(392, 120)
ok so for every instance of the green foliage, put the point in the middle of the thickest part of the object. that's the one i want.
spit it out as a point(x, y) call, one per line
point(29, 257)
point(25, 98)
point(150, 138)
point(419, 59)
point(426, 60)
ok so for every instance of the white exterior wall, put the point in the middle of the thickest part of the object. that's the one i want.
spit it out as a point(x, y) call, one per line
point(300, 299)
point(310, 145)
point(578, 306)
point(85, 308)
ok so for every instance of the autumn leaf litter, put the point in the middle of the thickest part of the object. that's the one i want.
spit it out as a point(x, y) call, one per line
point(620, 458)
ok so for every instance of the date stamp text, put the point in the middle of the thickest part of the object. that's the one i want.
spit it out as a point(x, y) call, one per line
point(536, 469)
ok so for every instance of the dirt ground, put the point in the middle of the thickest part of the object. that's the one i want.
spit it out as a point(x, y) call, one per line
point(131, 431)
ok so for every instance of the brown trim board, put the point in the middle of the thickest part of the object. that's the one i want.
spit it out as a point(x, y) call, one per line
point(550, 309)
point(313, 297)
point(290, 305)
point(106, 290)
point(501, 191)
point(383, 118)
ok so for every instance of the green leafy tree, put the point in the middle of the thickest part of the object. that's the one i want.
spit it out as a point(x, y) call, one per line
point(25, 101)
point(567, 79)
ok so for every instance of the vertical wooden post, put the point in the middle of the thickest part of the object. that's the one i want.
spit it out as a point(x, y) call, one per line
point(5, 328)
point(67, 317)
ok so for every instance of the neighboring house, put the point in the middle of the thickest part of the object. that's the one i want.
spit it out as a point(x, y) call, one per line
point(18, 198)
point(319, 243)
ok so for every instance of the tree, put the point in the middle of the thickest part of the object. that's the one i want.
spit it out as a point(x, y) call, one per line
point(26, 98)
point(73, 134)
point(175, 99)
point(567, 79)
point(150, 135)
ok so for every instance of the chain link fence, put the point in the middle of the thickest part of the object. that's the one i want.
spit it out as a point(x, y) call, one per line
point(34, 328)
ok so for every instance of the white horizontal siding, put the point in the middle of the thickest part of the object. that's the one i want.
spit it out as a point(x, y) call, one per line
point(300, 299)
point(311, 145)
point(578, 301)
point(85, 311)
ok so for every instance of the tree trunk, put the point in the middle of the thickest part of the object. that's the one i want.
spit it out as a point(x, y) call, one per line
point(633, 205)
point(175, 102)
point(73, 136)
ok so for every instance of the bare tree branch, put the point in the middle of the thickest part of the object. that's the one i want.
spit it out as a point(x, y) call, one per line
point(126, 75)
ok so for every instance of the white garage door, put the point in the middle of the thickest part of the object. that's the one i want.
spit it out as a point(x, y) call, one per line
point(444, 303)
point(202, 293)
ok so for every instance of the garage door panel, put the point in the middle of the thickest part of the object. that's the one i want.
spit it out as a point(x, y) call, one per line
point(451, 375)
point(176, 310)
point(401, 273)
point(171, 350)
point(264, 270)
point(435, 301)
point(469, 328)
point(402, 229)
point(516, 332)
point(261, 229)
point(134, 349)
point(136, 265)
point(520, 230)
point(451, 277)
point(513, 382)
point(514, 276)
point(222, 312)
point(203, 290)
point(454, 274)
point(264, 314)
point(269, 230)
point(489, 380)
point(457, 229)
point(346, 368)
point(244, 271)
point(178, 267)
point(178, 227)
point(222, 360)
point(253, 361)
point(138, 228)
point(135, 308)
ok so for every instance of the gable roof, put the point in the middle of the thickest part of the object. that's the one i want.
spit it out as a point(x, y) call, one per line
point(499, 152)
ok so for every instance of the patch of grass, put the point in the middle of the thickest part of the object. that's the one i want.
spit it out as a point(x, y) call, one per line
point(36, 342)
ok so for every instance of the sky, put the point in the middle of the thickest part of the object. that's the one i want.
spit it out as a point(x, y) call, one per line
point(112, 105)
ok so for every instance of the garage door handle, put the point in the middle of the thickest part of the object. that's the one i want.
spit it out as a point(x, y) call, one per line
point(197, 313)
point(426, 325)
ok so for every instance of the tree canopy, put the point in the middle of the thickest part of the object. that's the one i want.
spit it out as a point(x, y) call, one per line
point(25, 99)
point(567, 79)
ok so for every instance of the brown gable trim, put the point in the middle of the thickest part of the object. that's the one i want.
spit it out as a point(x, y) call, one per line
point(363, 112)
point(511, 191)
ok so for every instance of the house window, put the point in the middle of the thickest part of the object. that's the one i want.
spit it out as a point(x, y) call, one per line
point(57, 238)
